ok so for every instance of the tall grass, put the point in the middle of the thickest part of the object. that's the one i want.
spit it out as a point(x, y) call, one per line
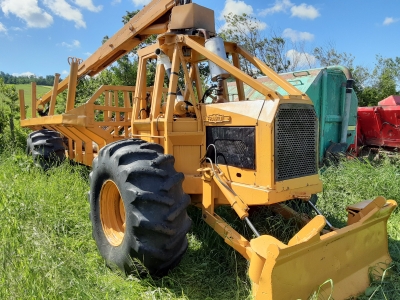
point(47, 251)
point(352, 181)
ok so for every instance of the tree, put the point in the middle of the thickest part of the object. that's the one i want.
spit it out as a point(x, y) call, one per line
point(125, 68)
point(9, 97)
point(125, 71)
point(370, 86)
point(383, 81)
point(329, 56)
point(11, 79)
point(364, 87)
point(245, 30)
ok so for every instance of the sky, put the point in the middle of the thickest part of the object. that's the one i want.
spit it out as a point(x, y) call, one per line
point(38, 36)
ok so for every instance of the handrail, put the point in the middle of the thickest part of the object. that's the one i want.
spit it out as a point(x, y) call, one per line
point(105, 88)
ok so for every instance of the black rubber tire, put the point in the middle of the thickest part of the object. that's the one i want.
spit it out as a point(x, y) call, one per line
point(156, 221)
point(46, 147)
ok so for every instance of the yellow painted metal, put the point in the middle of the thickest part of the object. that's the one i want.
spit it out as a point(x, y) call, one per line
point(155, 29)
point(120, 43)
point(172, 91)
point(86, 134)
point(22, 104)
point(73, 80)
point(33, 103)
point(298, 269)
point(196, 78)
point(230, 236)
point(192, 16)
point(54, 94)
point(185, 153)
point(140, 92)
point(71, 137)
point(277, 270)
point(156, 109)
point(187, 78)
point(112, 213)
point(62, 86)
point(236, 203)
point(290, 89)
point(88, 146)
point(228, 67)
point(239, 84)
point(346, 256)
point(69, 119)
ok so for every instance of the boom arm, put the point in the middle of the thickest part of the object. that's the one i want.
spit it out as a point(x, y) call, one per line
point(152, 19)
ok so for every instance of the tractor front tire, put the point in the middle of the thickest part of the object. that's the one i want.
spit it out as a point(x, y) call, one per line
point(138, 208)
point(46, 147)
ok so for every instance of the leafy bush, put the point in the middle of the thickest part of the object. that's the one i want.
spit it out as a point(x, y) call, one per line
point(12, 136)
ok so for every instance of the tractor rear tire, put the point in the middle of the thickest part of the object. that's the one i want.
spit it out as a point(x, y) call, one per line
point(46, 147)
point(138, 208)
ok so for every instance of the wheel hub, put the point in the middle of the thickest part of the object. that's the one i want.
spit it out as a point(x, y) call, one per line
point(112, 213)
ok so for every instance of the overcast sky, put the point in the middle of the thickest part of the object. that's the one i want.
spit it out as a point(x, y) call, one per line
point(38, 36)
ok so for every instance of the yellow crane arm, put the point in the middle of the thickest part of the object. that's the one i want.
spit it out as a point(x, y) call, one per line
point(152, 19)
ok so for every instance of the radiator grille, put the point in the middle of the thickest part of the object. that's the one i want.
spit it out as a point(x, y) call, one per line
point(296, 141)
point(235, 146)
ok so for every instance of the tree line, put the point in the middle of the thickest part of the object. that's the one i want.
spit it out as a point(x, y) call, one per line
point(371, 84)
point(24, 79)
point(11, 136)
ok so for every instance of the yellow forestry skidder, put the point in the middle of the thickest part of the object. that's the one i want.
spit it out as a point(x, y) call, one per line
point(156, 149)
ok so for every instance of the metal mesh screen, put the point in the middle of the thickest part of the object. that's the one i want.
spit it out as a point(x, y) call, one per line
point(231, 146)
point(235, 146)
point(296, 141)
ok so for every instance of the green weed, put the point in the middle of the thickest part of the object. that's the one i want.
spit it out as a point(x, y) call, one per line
point(47, 250)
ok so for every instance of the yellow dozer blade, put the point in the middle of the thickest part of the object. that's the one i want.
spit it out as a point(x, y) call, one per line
point(345, 257)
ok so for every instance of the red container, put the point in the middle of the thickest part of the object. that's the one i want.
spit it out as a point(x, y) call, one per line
point(379, 125)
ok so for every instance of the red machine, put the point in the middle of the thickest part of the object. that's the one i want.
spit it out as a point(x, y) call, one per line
point(379, 126)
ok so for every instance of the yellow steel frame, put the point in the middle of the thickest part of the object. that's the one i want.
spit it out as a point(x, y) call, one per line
point(277, 270)
point(85, 132)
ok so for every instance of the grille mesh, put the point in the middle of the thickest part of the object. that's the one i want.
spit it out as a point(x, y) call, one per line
point(296, 141)
point(231, 146)
point(234, 146)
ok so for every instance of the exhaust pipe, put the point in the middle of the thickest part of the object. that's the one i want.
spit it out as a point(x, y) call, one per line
point(218, 74)
point(164, 59)
point(346, 113)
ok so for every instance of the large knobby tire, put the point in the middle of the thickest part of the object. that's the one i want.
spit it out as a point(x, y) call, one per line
point(46, 147)
point(138, 208)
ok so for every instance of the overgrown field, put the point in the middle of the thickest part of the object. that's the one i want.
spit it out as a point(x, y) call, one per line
point(47, 250)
